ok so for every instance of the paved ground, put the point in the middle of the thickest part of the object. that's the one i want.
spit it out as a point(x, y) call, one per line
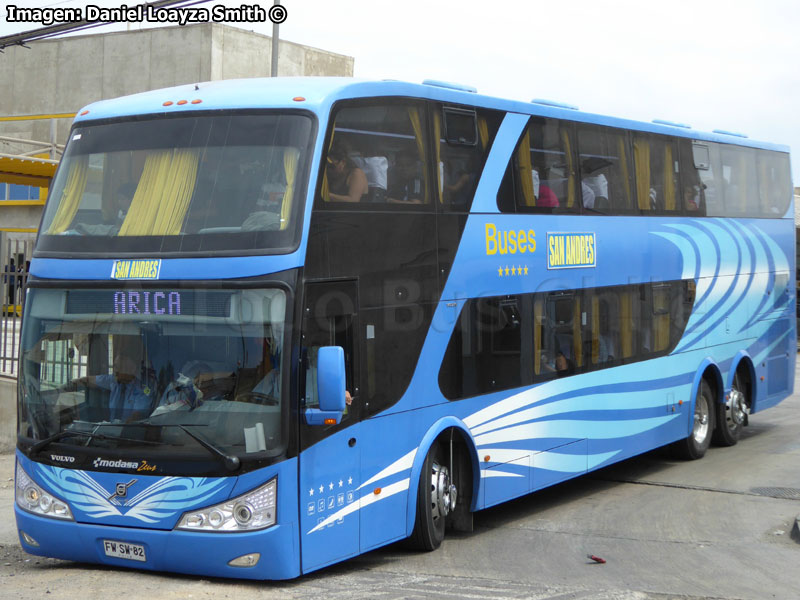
point(715, 528)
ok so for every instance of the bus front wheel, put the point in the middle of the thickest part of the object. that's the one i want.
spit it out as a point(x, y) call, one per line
point(696, 444)
point(436, 497)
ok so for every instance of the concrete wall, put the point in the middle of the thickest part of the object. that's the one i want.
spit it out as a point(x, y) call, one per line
point(63, 75)
point(8, 414)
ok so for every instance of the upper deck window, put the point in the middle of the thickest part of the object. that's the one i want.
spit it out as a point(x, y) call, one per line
point(189, 184)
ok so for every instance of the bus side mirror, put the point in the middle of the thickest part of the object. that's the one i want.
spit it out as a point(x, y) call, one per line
point(330, 387)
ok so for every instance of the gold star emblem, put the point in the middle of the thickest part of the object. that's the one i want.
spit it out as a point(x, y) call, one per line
point(513, 270)
point(500, 271)
point(506, 270)
point(526, 269)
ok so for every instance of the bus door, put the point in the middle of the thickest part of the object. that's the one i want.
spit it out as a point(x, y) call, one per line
point(330, 460)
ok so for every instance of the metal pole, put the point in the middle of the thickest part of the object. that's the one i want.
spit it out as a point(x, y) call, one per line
point(53, 134)
point(274, 69)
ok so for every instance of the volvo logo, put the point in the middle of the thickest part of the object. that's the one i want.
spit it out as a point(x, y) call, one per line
point(122, 489)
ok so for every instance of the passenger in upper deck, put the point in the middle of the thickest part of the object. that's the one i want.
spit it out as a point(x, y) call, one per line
point(346, 182)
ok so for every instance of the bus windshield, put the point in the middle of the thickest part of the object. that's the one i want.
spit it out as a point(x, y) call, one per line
point(151, 370)
point(180, 184)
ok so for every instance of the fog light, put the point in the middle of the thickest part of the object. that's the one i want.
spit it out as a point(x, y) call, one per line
point(247, 560)
point(28, 539)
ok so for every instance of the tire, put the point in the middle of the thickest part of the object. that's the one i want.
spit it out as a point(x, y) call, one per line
point(694, 446)
point(731, 415)
point(435, 498)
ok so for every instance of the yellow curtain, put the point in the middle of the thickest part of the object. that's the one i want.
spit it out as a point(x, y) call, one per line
point(570, 168)
point(661, 326)
point(641, 160)
point(669, 179)
point(595, 330)
point(623, 163)
point(290, 156)
point(416, 123)
point(525, 169)
point(660, 319)
point(626, 308)
point(71, 197)
point(483, 132)
point(576, 332)
point(162, 196)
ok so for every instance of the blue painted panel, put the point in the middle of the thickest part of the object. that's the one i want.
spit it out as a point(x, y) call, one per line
point(560, 464)
point(329, 498)
point(507, 480)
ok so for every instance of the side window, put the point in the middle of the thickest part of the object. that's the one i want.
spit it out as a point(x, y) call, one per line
point(542, 170)
point(695, 176)
point(656, 166)
point(511, 341)
point(376, 157)
point(774, 183)
point(489, 348)
point(606, 329)
point(560, 342)
point(330, 310)
point(463, 137)
point(739, 184)
point(604, 163)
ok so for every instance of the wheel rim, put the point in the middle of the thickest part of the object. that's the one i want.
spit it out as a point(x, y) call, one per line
point(735, 407)
point(700, 430)
point(443, 492)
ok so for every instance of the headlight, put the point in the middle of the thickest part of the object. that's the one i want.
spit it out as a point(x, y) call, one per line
point(32, 498)
point(248, 512)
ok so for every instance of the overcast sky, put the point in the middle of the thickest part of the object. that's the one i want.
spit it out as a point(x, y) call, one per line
point(714, 64)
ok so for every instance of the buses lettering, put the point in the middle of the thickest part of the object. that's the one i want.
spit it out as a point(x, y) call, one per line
point(509, 242)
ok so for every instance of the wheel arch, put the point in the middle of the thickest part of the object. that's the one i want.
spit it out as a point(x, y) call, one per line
point(743, 361)
point(709, 371)
point(431, 436)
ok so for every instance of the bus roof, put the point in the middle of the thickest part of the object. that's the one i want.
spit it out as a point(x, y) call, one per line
point(318, 94)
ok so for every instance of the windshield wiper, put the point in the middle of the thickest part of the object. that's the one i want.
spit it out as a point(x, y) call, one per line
point(38, 446)
point(35, 448)
point(230, 461)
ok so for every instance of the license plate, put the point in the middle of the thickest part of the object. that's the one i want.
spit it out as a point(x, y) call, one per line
point(124, 550)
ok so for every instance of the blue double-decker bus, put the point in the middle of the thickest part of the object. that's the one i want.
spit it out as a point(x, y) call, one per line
point(273, 324)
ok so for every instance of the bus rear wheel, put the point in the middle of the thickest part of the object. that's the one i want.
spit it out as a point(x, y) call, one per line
point(436, 497)
point(732, 414)
point(695, 445)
